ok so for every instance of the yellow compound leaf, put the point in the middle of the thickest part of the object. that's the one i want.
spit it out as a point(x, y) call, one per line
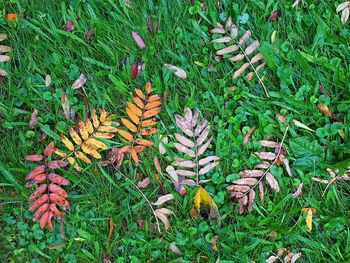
point(140, 94)
point(144, 142)
point(103, 115)
point(104, 135)
point(89, 126)
point(83, 131)
point(153, 104)
point(89, 150)
point(75, 136)
point(67, 142)
point(148, 131)
point(134, 109)
point(95, 120)
point(96, 144)
point(107, 129)
point(128, 124)
point(152, 112)
point(60, 153)
point(82, 157)
point(126, 135)
point(132, 116)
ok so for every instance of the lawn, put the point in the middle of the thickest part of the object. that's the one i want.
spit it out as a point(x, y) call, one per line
point(284, 124)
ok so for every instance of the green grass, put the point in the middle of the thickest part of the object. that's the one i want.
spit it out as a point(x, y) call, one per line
point(311, 48)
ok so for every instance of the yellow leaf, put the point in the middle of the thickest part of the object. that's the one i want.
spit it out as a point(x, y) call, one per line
point(89, 150)
point(72, 161)
point(202, 197)
point(96, 144)
point(129, 125)
point(308, 218)
point(75, 136)
point(137, 101)
point(134, 108)
point(67, 142)
point(60, 153)
point(83, 131)
point(103, 115)
point(82, 157)
point(107, 129)
point(88, 126)
point(105, 135)
point(95, 120)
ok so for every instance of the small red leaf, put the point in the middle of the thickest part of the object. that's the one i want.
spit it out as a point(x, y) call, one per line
point(69, 26)
point(56, 164)
point(49, 149)
point(40, 190)
point(55, 178)
point(88, 35)
point(275, 15)
point(35, 157)
point(133, 71)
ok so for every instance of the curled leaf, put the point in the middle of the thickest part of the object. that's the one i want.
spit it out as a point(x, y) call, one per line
point(179, 72)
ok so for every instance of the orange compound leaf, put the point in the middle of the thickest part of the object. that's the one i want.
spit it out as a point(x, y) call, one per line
point(126, 135)
point(140, 94)
point(137, 101)
point(96, 144)
point(108, 129)
point(91, 151)
point(39, 191)
point(144, 142)
point(148, 131)
point(148, 87)
point(55, 178)
point(35, 157)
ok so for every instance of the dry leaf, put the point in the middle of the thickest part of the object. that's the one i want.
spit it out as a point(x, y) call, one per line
point(271, 259)
point(275, 15)
point(48, 81)
point(65, 105)
point(202, 197)
point(133, 70)
point(298, 192)
point(163, 199)
point(214, 240)
point(111, 227)
point(33, 119)
point(345, 9)
point(308, 218)
point(89, 34)
point(163, 141)
point(272, 182)
point(144, 183)
point(139, 41)
point(302, 125)
point(175, 249)
point(162, 215)
point(69, 25)
point(80, 82)
point(248, 135)
point(179, 72)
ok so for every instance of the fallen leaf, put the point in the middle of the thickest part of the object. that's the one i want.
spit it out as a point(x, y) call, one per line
point(202, 197)
point(179, 72)
point(133, 70)
point(295, 257)
point(298, 192)
point(275, 15)
point(271, 259)
point(79, 82)
point(302, 125)
point(163, 199)
point(139, 41)
point(325, 110)
point(48, 81)
point(65, 105)
point(271, 180)
point(68, 26)
point(162, 215)
point(345, 9)
point(214, 240)
point(144, 183)
point(33, 119)
point(273, 234)
point(175, 249)
point(89, 34)
point(248, 135)
point(11, 17)
point(111, 227)
point(308, 219)
point(149, 24)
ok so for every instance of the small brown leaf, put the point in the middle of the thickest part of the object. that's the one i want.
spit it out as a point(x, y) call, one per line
point(214, 240)
point(89, 34)
point(65, 106)
point(144, 183)
point(275, 15)
point(251, 173)
point(163, 199)
point(68, 26)
point(251, 200)
point(245, 181)
point(33, 119)
point(298, 192)
point(248, 135)
point(271, 180)
point(79, 82)
point(266, 155)
point(273, 234)
point(175, 249)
